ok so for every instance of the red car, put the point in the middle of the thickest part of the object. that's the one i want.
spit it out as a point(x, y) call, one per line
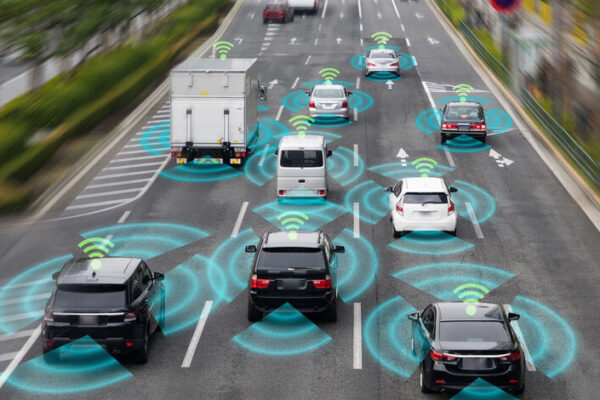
point(279, 11)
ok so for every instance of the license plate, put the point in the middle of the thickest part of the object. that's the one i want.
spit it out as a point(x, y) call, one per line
point(88, 320)
point(475, 363)
point(208, 161)
point(464, 128)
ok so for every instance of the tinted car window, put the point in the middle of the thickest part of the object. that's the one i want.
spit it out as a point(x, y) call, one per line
point(284, 258)
point(274, 6)
point(420, 198)
point(466, 113)
point(301, 158)
point(473, 331)
point(89, 296)
point(328, 93)
point(429, 321)
point(379, 54)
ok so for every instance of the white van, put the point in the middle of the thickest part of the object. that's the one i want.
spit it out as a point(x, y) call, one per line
point(304, 5)
point(302, 166)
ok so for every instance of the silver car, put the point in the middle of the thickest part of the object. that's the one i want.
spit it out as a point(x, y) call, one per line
point(328, 100)
point(382, 60)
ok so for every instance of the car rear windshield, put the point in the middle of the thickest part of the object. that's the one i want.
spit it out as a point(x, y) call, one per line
point(280, 259)
point(274, 6)
point(301, 158)
point(430, 198)
point(381, 54)
point(328, 93)
point(89, 296)
point(473, 331)
point(464, 113)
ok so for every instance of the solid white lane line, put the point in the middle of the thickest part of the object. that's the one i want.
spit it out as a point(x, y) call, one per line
point(132, 166)
point(358, 83)
point(359, 10)
point(100, 185)
point(124, 217)
point(124, 174)
point(515, 324)
point(473, 218)
point(324, 9)
point(357, 347)
point(191, 350)
point(355, 114)
point(295, 82)
point(356, 220)
point(25, 299)
point(450, 159)
point(240, 218)
point(98, 204)
point(8, 356)
point(407, 42)
point(356, 155)
point(16, 335)
point(361, 27)
point(263, 156)
point(396, 9)
point(20, 355)
point(402, 27)
point(127, 159)
point(279, 113)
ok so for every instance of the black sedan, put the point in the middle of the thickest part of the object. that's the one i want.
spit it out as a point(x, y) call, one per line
point(460, 342)
point(463, 118)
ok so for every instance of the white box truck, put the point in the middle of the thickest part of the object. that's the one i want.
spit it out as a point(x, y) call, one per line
point(214, 110)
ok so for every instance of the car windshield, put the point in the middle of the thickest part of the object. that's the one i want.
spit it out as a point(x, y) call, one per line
point(301, 158)
point(89, 296)
point(473, 331)
point(280, 259)
point(466, 113)
point(382, 54)
point(328, 93)
point(420, 198)
point(275, 6)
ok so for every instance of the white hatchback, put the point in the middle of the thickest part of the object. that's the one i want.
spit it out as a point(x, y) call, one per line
point(422, 204)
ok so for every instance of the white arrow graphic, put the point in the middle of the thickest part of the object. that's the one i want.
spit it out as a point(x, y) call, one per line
point(432, 41)
point(402, 155)
point(293, 40)
point(389, 85)
point(500, 160)
point(338, 40)
point(239, 40)
point(419, 16)
point(273, 83)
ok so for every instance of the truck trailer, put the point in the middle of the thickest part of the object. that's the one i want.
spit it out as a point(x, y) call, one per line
point(214, 107)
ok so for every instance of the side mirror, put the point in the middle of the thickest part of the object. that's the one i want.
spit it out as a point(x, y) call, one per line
point(349, 93)
point(513, 316)
point(251, 249)
point(159, 276)
point(452, 189)
point(340, 249)
point(307, 92)
point(329, 153)
point(262, 93)
point(276, 152)
point(55, 275)
point(387, 189)
point(413, 316)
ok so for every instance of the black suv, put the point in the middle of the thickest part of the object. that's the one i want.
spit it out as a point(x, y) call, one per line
point(463, 118)
point(460, 342)
point(111, 299)
point(299, 268)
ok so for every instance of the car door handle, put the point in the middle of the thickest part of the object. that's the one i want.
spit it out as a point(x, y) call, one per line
point(301, 180)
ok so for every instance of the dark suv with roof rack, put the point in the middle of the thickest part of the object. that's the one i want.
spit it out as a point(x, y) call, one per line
point(299, 268)
point(113, 300)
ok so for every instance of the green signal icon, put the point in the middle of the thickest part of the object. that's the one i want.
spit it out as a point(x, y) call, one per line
point(223, 48)
point(463, 90)
point(424, 165)
point(292, 221)
point(301, 123)
point(471, 292)
point(97, 248)
point(329, 74)
point(381, 38)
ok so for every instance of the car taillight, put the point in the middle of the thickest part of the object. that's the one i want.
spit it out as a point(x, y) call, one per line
point(399, 208)
point(450, 206)
point(130, 316)
point(48, 316)
point(370, 64)
point(515, 356)
point(259, 283)
point(282, 192)
point(394, 64)
point(322, 283)
point(315, 6)
point(345, 104)
point(48, 343)
point(478, 127)
point(129, 344)
point(311, 104)
point(450, 126)
point(437, 356)
point(321, 193)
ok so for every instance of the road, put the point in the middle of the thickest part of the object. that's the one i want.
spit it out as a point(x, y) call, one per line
point(520, 232)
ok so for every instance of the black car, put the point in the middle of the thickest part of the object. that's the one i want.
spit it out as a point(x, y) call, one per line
point(113, 300)
point(463, 118)
point(295, 267)
point(460, 342)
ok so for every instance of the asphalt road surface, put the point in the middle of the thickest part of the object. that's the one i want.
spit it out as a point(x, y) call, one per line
point(520, 234)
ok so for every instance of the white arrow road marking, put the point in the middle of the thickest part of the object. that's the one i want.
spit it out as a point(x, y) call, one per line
point(339, 40)
point(293, 40)
point(500, 160)
point(239, 40)
point(402, 155)
point(273, 83)
point(389, 85)
point(419, 16)
point(432, 41)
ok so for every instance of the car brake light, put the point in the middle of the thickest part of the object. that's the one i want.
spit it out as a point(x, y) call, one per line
point(259, 283)
point(394, 64)
point(48, 316)
point(322, 283)
point(48, 344)
point(311, 104)
point(345, 104)
point(513, 381)
point(478, 127)
point(130, 316)
point(450, 126)
point(440, 381)
point(437, 356)
point(282, 192)
point(129, 344)
point(450, 206)
point(321, 193)
point(514, 356)
point(370, 64)
point(399, 208)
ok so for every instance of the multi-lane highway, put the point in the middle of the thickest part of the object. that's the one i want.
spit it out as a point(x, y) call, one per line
point(521, 234)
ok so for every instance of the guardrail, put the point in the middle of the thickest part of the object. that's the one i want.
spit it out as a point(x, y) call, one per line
point(589, 166)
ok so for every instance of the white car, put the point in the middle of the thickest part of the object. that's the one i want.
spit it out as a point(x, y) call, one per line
point(304, 5)
point(422, 204)
point(328, 100)
point(382, 60)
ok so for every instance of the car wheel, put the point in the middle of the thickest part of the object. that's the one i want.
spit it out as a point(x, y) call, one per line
point(483, 139)
point(453, 233)
point(331, 312)
point(142, 354)
point(253, 314)
point(422, 384)
point(397, 234)
point(520, 389)
point(264, 21)
point(443, 139)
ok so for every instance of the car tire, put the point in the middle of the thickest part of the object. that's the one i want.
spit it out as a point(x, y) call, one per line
point(331, 312)
point(422, 384)
point(483, 139)
point(253, 314)
point(443, 139)
point(141, 356)
point(453, 233)
point(397, 234)
point(520, 389)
